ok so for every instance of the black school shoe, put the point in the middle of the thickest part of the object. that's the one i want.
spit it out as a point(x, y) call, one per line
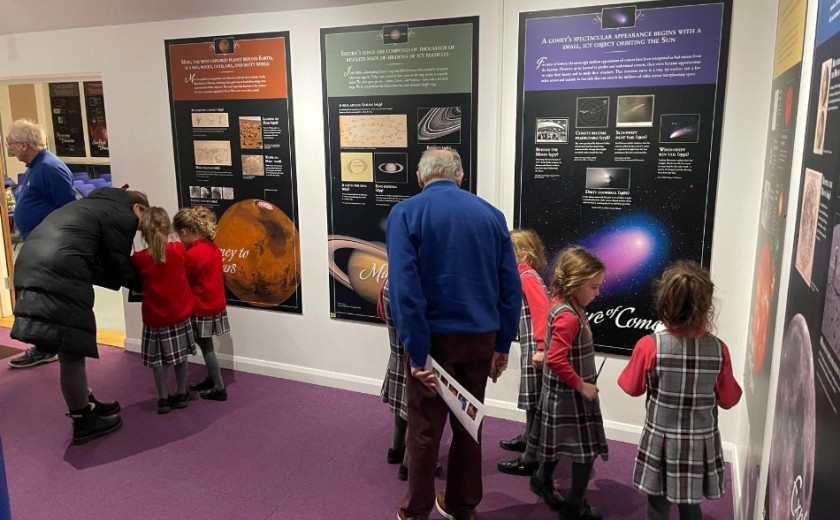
point(517, 467)
point(179, 400)
point(163, 406)
point(88, 426)
point(579, 511)
point(214, 395)
point(207, 384)
point(515, 444)
point(395, 456)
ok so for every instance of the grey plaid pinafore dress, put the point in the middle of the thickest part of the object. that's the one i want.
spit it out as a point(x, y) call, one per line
point(530, 380)
point(393, 387)
point(571, 426)
point(680, 454)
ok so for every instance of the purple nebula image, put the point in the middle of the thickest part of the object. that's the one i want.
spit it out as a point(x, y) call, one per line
point(633, 248)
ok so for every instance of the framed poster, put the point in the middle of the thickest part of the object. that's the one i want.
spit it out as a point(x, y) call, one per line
point(68, 130)
point(96, 122)
point(390, 91)
point(234, 153)
point(618, 135)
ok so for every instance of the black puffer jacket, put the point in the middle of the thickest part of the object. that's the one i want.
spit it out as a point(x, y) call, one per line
point(83, 243)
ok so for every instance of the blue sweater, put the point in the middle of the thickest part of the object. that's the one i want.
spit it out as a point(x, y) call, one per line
point(47, 185)
point(451, 269)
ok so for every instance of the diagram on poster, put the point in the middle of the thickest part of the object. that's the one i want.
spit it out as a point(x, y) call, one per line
point(375, 131)
point(808, 214)
point(212, 153)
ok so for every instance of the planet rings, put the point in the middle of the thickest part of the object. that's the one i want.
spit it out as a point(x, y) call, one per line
point(391, 167)
point(439, 122)
point(336, 242)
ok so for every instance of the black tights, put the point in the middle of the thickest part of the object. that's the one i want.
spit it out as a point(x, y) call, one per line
point(658, 507)
point(580, 477)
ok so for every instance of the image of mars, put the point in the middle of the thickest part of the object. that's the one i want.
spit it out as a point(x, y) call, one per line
point(264, 270)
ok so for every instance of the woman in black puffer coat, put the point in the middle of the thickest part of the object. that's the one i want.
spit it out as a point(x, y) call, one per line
point(85, 243)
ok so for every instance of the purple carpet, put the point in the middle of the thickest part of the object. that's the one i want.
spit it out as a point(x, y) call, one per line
point(275, 450)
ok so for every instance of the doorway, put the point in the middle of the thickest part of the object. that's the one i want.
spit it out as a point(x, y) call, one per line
point(72, 113)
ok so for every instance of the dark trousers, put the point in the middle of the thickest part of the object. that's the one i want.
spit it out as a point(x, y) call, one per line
point(467, 358)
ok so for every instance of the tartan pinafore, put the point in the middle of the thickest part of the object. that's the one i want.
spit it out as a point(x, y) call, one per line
point(680, 454)
point(393, 386)
point(571, 426)
point(530, 381)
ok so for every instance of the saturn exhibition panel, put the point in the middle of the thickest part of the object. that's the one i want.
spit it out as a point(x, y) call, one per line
point(231, 109)
point(618, 135)
point(390, 91)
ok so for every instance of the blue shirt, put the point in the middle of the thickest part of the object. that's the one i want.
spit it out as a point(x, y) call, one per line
point(451, 269)
point(47, 185)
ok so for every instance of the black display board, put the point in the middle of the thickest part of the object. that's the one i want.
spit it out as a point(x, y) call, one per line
point(68, 130)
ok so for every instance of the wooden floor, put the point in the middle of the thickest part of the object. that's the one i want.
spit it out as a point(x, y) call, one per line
point(103, 337)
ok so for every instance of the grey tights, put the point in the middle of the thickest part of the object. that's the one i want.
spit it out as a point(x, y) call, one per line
point(212, 362)
point(180, 380)
point(73, 379)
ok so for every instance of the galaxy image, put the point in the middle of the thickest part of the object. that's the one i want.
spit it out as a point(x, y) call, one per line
point(679, 128)
point(617, 17)
point(439, 125)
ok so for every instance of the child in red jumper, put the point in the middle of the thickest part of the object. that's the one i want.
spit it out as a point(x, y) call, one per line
point(530, 258)
point(168, 337)
point(571, 425)
point(196, 228)
point(687, 374)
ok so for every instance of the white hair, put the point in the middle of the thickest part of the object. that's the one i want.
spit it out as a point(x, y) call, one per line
point(440, 163)
point(29, 133)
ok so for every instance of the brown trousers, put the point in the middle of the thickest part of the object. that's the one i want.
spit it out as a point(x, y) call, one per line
point(467, 358)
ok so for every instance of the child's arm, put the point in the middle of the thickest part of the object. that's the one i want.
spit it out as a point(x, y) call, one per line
point(537, 300)
point(633, 379)
point(727, 389)
point(564, 329)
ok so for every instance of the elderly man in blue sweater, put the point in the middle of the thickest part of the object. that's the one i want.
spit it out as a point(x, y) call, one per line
point(455, 295)
point(46, 186)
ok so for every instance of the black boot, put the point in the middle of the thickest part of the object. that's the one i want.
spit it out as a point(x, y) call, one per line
point(579, 510)
point(103, 409)
point(88, 425)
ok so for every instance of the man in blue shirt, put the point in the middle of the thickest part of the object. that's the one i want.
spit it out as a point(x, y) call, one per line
point(455, 295)
point(46, 186)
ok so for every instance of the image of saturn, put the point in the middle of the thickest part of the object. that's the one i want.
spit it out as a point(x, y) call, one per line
point(439, 125)
point(791, 479)
point(358, 265)
point(261, 248)
point(356, 167)
point(391, 168)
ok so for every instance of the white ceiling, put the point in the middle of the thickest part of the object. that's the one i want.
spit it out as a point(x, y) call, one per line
point(21, 16)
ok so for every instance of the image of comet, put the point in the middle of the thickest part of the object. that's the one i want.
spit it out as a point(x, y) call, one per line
point(791, 479)
point(679, 128)
point(439, 125)
point(634, 250)
point(634, 111)
point(617, 17)
point(593, 112)
point(608, 178)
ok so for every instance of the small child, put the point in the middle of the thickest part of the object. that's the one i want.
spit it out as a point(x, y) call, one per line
point(168, 337)
point(530, 257)
point(196, 227)
point(687, 374)
point(571, 425)
point(393, 386)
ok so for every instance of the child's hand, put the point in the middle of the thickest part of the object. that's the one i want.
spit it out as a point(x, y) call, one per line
point(587, 390)
point(538, 359)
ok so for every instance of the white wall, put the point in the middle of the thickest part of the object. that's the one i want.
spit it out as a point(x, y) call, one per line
point(130, 60)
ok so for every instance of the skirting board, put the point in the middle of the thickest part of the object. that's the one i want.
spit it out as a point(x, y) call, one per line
point(616, 431)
